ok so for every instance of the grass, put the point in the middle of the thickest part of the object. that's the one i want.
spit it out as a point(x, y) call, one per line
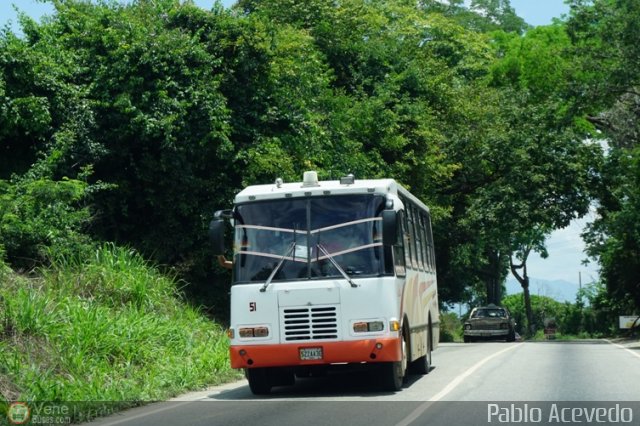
point(107, 328)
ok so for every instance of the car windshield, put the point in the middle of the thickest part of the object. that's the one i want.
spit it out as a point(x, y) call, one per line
point(345, 228)
point(489, 313)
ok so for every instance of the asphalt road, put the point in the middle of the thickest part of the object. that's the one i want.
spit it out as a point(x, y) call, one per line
point(470, 384)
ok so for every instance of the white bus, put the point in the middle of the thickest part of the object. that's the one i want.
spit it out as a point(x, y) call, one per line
point(329, 273)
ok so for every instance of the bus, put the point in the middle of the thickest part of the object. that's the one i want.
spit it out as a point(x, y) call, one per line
point(328, 274)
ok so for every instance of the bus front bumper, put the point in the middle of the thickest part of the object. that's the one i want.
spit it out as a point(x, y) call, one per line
point(321, 353)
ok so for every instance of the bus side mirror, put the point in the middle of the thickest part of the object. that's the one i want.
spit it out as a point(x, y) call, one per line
point(389, 227)
point(216, 232)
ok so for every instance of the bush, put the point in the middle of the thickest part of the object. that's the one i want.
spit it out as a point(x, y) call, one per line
point(37, 214)
point(450, 327)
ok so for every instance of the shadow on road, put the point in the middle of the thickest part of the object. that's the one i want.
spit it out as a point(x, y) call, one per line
point(347, 383)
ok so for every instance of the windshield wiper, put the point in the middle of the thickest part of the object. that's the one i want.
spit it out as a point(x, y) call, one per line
point(278, 266)
point(338, 267)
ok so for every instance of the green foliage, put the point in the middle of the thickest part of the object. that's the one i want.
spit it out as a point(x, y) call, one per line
point(106, 327)
point(615, 237)
point(133, 121)
point(114, 277)
point(450, 327)
point(591, 315)
point(480, 15)
point(38, 214)
point(604, 35)
point(540, 61)
point(533, 171)
point(173, 109)
point(543, 308)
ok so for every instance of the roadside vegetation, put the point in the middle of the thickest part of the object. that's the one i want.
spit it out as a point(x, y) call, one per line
point(106, 327)
point(590, 316)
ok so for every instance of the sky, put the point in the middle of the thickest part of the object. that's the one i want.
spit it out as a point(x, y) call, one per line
point(565, 247)
point(535, 12)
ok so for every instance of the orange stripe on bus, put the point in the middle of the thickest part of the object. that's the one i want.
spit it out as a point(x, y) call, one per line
point(281, 355)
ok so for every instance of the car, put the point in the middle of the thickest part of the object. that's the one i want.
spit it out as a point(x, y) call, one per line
point(490, 322)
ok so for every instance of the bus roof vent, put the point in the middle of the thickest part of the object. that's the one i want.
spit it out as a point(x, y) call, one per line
point(310, 179)
point(349, 179)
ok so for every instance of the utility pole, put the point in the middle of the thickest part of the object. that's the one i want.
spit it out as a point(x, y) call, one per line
point(580, 280)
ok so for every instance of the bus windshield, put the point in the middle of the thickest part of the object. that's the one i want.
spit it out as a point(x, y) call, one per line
point(307, 235)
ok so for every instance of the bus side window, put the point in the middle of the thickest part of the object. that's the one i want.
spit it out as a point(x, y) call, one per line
point(415, 242)
point(431, 254)
point(399, 251)
point(425, 243)
point(406, 232)
point(419, 239)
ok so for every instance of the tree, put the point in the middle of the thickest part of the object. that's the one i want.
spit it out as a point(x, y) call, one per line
point(173, 109)
point(604, 35)
point(542, 308)
point(480, 15)
point(538, 169)
point(534, 240)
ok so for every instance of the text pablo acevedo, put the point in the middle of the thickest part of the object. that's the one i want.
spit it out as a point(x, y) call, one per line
point(558, 413)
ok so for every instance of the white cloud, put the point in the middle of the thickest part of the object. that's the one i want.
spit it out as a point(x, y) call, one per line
point(566, 254)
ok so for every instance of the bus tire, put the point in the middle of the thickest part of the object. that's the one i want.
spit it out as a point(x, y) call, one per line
point(392, 380)
point(259, 381)
point(393, 373)
point(422, 365)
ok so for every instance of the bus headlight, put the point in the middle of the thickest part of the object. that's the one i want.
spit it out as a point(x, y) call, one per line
point(261, 332)
point(249, 332)
point(368, 326)
point(245, 332)
point(376, 326)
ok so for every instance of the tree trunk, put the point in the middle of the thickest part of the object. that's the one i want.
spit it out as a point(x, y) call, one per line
point(524, 282)
point(493, 281)
point(527, 305)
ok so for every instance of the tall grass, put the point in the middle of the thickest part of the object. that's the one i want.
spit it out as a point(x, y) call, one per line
point(105, 328)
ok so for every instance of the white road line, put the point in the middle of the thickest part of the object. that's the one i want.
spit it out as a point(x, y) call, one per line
point(636, 354)
point(451, 386)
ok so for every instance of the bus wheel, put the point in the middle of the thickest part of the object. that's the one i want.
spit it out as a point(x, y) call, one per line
point(422, 365)
point(393, 373)
point(259, 382)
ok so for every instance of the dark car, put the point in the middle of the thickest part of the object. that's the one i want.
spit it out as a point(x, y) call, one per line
point(490, 322)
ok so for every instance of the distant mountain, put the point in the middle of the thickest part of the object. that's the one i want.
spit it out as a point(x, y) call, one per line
point(560, 290)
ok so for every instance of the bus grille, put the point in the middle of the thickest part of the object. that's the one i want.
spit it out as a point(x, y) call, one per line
point(312, 323)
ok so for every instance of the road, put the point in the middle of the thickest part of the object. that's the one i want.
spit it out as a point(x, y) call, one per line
point(477, 383)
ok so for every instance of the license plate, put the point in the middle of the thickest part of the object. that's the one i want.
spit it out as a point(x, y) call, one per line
point(309, 354)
